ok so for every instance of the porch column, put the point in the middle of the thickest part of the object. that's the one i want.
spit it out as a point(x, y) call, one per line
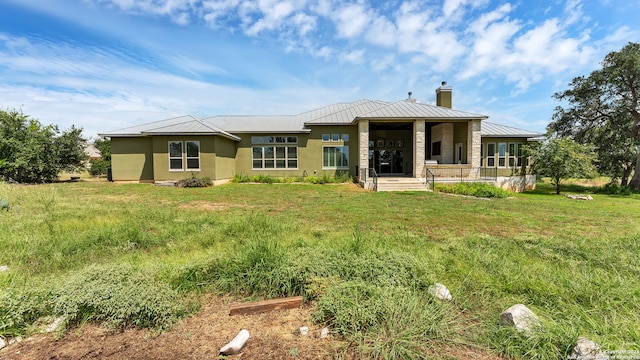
point(419, 146)
point(363, 141)
point(474, 142)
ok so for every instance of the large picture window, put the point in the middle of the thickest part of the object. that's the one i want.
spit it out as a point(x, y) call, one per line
point(181, 153)
point(279, 152)
point(335, 157)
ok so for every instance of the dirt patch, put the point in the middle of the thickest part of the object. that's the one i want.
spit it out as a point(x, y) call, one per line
point(201, 337)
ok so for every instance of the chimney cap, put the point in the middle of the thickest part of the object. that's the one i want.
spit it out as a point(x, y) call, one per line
point(444, 83)
point(410, 93)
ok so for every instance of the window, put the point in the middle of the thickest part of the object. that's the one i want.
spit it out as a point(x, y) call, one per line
point(283, 154)
point(502, 154)
point(345, 137)
point(335, 137)
point(491, 155)
point(512, 155)
point(325, 137)
point(482, 155)
point(436, 148)
point(175, 155)
point(335, 157)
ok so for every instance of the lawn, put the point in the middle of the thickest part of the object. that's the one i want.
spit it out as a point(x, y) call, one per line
point(363, 259)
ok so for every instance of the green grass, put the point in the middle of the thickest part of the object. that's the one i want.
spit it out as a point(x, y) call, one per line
point(363, 258)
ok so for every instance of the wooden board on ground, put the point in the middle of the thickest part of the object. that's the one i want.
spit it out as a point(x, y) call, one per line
point(266, 305)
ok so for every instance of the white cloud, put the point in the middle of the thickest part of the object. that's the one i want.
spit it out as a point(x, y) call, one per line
point(351, 20)
point(353, 57)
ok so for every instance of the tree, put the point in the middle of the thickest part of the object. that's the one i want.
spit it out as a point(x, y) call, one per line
point(562, 158)
point(32, 153)
point(604, 109)
point(99, 167)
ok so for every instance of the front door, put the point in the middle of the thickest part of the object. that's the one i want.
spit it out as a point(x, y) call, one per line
point(387, 162)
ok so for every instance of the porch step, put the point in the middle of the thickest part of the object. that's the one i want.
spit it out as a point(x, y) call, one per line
point(401, 184)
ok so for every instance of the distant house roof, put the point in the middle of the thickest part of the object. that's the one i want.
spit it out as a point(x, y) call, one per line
point(92, 151)
point(490, 129)
point(336, 114)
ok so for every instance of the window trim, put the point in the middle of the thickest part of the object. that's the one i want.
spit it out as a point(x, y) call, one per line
point(181, 158)
point(336, 167)
point(502, 157)
point(491, 156)
point(284, 142)
point(187, 157)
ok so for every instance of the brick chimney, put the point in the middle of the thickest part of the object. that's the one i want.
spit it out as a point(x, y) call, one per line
point(443, 95)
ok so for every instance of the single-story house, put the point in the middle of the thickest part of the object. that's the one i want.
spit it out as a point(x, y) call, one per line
point(364, 138)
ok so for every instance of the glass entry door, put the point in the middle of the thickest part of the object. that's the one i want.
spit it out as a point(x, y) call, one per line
point(387, 161)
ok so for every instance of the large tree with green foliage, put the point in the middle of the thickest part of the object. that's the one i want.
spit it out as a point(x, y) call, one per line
point(562, 158)
point(31, 152)
point(604, 109)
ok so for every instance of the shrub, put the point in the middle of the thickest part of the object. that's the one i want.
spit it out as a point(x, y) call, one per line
point(19, 309)
point(119, 296)
point(195, 182)
point(99, 167)
point(473, 189)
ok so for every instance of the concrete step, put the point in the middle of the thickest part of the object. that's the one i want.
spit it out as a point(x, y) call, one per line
point(401, 184)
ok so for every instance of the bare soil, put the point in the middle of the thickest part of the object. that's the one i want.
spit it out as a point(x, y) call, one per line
point(201, 337)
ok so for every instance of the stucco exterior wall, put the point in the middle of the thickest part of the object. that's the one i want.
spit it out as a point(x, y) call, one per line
point(225, 158)
point(517, 183)
point(132, 159)
point(309, 152)
point(161, 170)
point(505, 170)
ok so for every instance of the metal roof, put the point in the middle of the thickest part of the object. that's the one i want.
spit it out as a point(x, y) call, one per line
point(259, 124)
point(336, 114)
point(489, 129)
point(411, 110)
point(185, 125)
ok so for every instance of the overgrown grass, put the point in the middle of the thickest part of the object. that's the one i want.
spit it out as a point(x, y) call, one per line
point(323, 178)
point(473, 189)
point(364, 259)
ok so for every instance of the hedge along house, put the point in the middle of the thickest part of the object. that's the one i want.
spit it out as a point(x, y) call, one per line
point(365, 138)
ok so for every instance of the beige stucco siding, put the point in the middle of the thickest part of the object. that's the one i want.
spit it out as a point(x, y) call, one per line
point(225, 158)
point(161, 158)
point(505, 170)
point(132, 159)
point(310, 148)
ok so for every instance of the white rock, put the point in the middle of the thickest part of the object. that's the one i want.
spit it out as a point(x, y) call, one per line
point(56, 324)
point(236, 344)
point(439, 291)
point(324, 333)
point(4, 268)
point(2, 343)
point(520, 317)
point(587, 349)
point(304, 330)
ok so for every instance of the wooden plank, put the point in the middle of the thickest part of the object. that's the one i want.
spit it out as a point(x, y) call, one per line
point(266, 305)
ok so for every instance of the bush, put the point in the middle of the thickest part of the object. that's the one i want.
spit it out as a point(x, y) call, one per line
point(473, 189)
point(119, 296)
point(21, 308)
point(99, 167)
point(195, 182)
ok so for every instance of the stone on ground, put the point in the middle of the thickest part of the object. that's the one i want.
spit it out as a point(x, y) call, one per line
point(4, 268)
point(439, 291)
point(587, 349)
point(520, 317)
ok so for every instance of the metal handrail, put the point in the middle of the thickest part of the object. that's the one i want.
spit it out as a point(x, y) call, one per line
point(366, 173)
point(462, 174)
point(429, 178)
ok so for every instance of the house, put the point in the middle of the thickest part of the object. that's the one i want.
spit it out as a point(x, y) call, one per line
point(365, 138)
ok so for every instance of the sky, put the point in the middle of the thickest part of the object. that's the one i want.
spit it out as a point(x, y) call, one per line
point(104, 65)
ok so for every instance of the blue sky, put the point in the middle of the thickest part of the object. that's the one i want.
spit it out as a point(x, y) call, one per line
point(108, 64)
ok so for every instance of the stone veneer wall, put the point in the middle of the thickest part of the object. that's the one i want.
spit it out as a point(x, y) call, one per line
point(363, 141)
point(474, 143)
point(444, 134)
point(419, 146)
